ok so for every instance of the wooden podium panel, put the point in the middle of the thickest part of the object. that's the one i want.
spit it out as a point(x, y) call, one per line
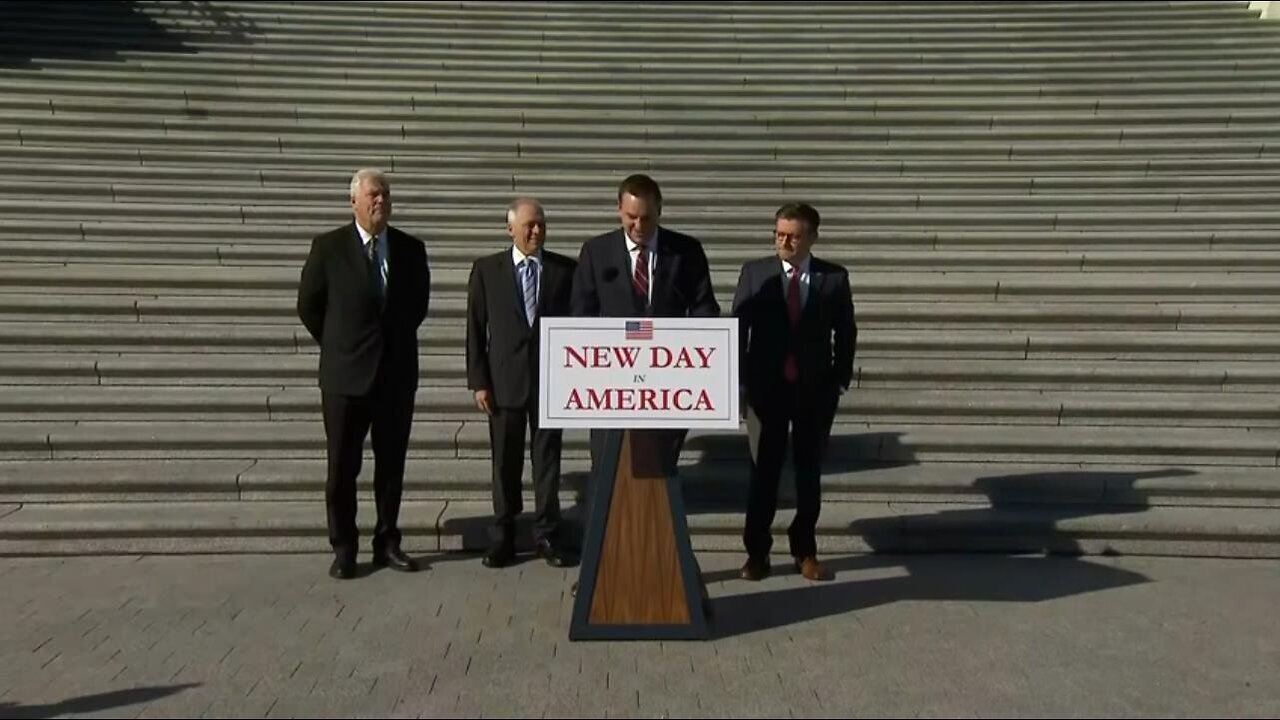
point(639, 579)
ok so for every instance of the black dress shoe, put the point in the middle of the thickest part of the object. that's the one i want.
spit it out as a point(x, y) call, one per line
point(500, 556)
point(554, 556)
point(343, 568)
point(396, 560)
point(755, 569)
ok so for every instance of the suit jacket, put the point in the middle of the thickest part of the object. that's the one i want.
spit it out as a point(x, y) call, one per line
point(681, 280)
point(359, 335)
point(502, 349)
point(823, 343)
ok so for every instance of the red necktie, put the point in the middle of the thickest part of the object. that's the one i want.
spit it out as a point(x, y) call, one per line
point(640, 280)
point(791, 370)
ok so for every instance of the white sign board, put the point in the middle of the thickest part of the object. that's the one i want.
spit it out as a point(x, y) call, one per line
point(639, 373)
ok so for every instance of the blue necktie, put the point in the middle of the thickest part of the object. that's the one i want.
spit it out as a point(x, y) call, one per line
point(530, 288)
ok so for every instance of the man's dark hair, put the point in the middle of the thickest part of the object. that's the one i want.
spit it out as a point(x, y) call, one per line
point(799, 211)
point(642, 186)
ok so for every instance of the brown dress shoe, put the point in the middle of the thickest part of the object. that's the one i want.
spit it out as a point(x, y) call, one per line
point(811, 569)
point(755, 569)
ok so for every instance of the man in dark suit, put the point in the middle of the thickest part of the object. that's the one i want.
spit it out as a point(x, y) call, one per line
point(509, 292)
point(643, 270)
point(364, 292)
point(797, 334)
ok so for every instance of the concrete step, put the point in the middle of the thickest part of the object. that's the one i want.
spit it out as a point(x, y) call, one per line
point(591, 14)
point(773, 169)
point(576, 203)
point(718, 29)
point(990, 59)
point(972, 99)
point(852, 442)
point(422, 140)
point(53, 104)
point(213, 180)
point(698, 39)
point(906, 27)
point(202, 527)
point(705, 487)
point(151, 246)
point(514, 141)
point(447, 339)
point(315, 65)
point(448, 309)
point(705, 12)
point(1257, 409)
point(827, 85)
point(257, 240)
point(908, 286)
point(990, 56)
point(673, 21)
point(1062, 375)
point(442, 220)
point(172, 368)
point(745, 34)
point(424, 61)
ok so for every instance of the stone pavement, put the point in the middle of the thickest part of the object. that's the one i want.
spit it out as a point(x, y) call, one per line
point(907, 636)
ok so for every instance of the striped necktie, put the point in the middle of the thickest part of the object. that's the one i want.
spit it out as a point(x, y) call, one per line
point(530, 282)
point(640, 280)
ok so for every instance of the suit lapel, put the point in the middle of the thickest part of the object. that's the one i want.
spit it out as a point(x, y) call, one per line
point(664, 272)
point(624, 296)
point(549, 283)
point(816, 278)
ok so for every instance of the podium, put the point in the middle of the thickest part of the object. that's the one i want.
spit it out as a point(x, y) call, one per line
point(639, 579)
point(634, 381)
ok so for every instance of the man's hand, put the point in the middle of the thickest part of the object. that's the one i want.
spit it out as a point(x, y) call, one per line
point(484, 401)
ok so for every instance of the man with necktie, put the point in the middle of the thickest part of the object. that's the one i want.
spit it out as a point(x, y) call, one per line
point(643, 270)
point(364, 291)
point(797, 338)
point(507, 295)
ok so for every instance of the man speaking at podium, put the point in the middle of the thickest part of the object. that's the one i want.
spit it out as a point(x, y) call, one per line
point(643, 270)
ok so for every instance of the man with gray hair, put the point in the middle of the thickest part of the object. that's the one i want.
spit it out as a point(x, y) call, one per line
point(509, 292)
point(364, 292)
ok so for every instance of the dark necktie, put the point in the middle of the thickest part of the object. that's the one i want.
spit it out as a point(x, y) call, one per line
point(375, 270)
point(791, 370)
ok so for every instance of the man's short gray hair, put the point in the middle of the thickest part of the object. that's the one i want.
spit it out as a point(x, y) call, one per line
point(520, 202)
point(364, 174)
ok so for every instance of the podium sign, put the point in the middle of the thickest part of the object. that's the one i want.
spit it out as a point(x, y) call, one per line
point(634, 382)
point(639, 373)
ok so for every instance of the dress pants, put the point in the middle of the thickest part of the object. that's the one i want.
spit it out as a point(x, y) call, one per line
point(507, 440)
point(807, 420)
point(348, 419)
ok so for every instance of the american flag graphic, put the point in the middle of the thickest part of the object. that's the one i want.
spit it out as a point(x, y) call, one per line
point(639, 329)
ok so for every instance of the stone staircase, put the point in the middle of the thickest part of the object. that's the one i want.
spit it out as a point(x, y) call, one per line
point(1061, 219)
